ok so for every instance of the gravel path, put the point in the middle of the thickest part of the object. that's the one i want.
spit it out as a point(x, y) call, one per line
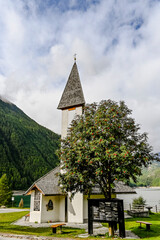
point(5, 236)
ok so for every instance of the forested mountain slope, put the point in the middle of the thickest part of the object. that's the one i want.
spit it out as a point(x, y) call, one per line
point(27, 150)
point(150, 176)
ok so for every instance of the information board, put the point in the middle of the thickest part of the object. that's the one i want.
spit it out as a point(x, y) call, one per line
point(106, 210)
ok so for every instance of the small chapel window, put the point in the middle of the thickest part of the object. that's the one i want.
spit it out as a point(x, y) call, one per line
point(49, 205)
point(36, 200)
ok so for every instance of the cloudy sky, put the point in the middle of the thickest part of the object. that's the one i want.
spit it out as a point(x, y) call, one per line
point(117, 43)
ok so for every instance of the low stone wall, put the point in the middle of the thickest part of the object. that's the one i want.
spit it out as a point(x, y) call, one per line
point(135, 213)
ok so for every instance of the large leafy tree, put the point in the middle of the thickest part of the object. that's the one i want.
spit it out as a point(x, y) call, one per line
point(102, 146)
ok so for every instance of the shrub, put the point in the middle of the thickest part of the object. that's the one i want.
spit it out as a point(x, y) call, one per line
point(138, 201)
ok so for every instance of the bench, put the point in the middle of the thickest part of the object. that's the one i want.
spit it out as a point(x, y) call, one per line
point(27, 216)
point(54, 227)
point(147, 224)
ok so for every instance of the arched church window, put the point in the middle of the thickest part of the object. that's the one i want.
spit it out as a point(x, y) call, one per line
point(36, 200)
point(49, 205)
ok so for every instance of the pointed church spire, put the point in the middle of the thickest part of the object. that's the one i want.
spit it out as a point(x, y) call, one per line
point(73, 93)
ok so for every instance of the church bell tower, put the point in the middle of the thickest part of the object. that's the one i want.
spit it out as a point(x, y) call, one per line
point(71, 103)
point(72, 100)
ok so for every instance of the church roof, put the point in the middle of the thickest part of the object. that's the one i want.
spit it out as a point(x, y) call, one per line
point(73, 93)
point(48, 185)
point(119, 188)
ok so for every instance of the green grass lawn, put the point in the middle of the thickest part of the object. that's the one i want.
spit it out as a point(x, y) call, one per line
point(6, 227)
point(130, 224)
point(153, 234)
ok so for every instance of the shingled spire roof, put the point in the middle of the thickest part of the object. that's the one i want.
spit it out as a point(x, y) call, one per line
point(73, 93)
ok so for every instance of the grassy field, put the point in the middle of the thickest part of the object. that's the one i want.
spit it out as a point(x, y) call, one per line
point(6, 227)
point(7, 218)
point(153, 234)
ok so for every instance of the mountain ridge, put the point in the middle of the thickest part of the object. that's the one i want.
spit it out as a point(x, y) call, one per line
point(150, 176)
point(24, 146)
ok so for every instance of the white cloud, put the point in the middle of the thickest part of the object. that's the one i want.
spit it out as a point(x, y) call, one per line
point(2, 84)
point(118, 56)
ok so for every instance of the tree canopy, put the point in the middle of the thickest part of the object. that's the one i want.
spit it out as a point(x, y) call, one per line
point(103, 145)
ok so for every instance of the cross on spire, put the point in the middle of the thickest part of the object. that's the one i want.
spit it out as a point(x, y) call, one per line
point(75, 57)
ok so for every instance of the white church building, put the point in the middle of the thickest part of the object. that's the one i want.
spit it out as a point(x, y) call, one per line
point(47, 201)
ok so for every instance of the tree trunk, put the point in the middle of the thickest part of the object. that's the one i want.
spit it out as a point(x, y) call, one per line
point(111, 225)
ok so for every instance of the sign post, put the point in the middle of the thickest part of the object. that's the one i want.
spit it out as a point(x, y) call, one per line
point(106, 210)
point(12, 201)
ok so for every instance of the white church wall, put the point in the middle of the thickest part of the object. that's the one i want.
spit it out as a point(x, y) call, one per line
point(32, 201)
point(64, 123)
point(71, 115)
point(67, 116)
point(62, 209)
point(35, 216)
point(79, 110)
point(50, 215)
point(75, 209)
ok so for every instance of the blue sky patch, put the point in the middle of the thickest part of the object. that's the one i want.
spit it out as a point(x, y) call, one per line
point(63, 5)
point(137, 23)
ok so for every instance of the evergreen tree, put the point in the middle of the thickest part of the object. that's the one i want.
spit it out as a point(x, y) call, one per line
point(140, 201)
point(102, 146)
point(5, 191)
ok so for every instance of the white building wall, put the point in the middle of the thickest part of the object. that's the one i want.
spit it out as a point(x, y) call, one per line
point(50, 215)
point(62, 209)
point(64, 123)
point(71, 115)
point(79, 110)
point(35, 216)
point(55, 215)
point(75, 209)
point(67, 117)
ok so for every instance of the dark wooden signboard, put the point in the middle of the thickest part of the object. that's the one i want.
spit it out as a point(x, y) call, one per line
point(106, 210)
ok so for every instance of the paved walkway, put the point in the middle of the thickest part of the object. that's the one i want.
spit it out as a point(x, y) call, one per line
point(22, 222)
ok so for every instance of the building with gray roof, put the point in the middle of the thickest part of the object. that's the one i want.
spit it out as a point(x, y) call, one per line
point(48, 202)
